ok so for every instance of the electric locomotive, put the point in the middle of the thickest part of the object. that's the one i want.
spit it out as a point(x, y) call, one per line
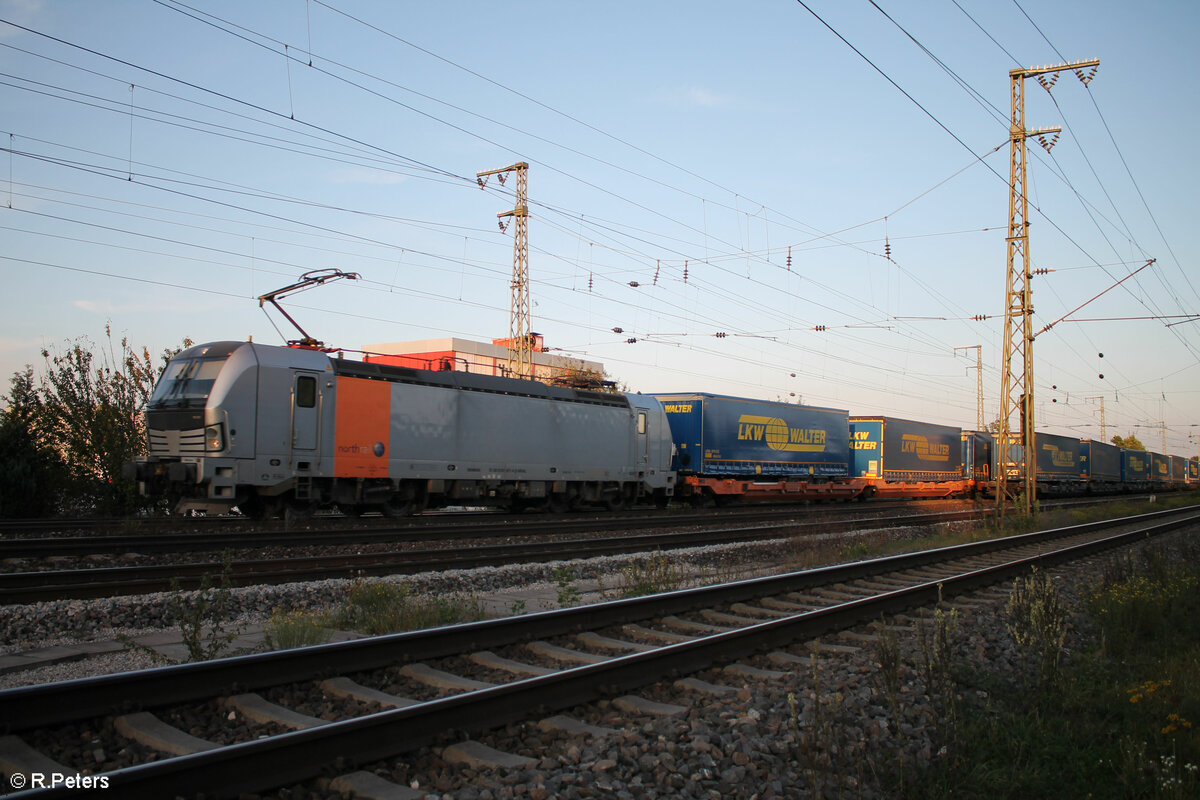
point(269, 429)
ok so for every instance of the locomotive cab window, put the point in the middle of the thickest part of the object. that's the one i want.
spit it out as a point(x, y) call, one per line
point(641, 422)
point(306, 391)
point(186, 381)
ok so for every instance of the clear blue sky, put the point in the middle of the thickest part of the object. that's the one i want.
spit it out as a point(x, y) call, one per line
point(165, 164)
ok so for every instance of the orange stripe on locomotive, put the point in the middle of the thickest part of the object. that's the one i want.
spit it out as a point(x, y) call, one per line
point(361, 428)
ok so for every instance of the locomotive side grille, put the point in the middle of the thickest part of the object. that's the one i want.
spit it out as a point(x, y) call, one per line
point(176, 443)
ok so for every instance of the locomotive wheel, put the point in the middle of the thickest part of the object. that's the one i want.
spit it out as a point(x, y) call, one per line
point(260, 508)
point(558, 503)
point(615, 501)
point(397, 507)
point(295, 510)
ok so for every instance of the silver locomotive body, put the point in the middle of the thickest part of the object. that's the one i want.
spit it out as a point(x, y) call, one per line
point(263, 428)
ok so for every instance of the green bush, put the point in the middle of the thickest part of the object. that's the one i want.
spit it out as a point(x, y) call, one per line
point(288, 629)
point(380, 607)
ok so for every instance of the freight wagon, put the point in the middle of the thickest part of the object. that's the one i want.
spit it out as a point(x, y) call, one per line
point(735, 447)
point(903, 458)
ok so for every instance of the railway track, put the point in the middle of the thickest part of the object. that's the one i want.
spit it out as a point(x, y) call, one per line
point(341, 531)
point(34, 586)
point(395, 694)
point(44, 538)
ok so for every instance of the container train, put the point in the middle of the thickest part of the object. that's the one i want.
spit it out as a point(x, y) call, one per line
point(269, 429)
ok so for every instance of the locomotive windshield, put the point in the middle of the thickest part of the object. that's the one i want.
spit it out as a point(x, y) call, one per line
point(186, 380)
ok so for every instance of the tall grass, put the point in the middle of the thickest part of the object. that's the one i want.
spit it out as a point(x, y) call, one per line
point(380, 607)
point(372, 608)
point(1123, 720)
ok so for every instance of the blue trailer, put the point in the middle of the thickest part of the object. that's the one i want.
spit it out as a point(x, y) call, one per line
point(978, 455)
point(1160, 469)
point(901, 450)
point(1101, 463)
point(1135, 469)
point(721, 436)
point(1058, 461)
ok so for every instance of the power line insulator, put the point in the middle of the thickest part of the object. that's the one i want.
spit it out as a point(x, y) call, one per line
point(818, 327)
point(631, 341)
point(980, 317)
point(657, 266)
point(789, 258)
point(634, 284)
point(589, 281)
point(618, 330)
point(720, 334)
point(887, 249)
point(685, 265)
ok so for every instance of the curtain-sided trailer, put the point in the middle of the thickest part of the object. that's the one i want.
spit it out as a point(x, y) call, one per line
point(1100, 464)
point(904, 458)
point(738, 448)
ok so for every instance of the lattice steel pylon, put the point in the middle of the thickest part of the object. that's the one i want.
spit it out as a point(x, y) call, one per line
point(1103, 426)
point(979, 416)
point(520, 341)
point(1016, 385)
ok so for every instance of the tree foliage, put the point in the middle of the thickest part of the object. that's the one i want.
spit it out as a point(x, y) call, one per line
point(1129, 442)
point(31, 474)
point(70, 430)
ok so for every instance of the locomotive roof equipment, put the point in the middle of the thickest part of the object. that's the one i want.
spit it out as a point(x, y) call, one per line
point(308, 280)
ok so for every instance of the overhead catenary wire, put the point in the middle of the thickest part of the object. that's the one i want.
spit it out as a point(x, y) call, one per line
point(716, 296)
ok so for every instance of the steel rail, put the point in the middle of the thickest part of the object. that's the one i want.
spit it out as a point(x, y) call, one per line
point(483, 525)
point(34, 586)
point(288, 758)
point(350, 530)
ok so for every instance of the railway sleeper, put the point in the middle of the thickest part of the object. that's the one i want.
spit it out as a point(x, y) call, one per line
point(147, 729)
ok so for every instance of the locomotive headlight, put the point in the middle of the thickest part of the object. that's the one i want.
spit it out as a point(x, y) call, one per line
point(214, 438)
